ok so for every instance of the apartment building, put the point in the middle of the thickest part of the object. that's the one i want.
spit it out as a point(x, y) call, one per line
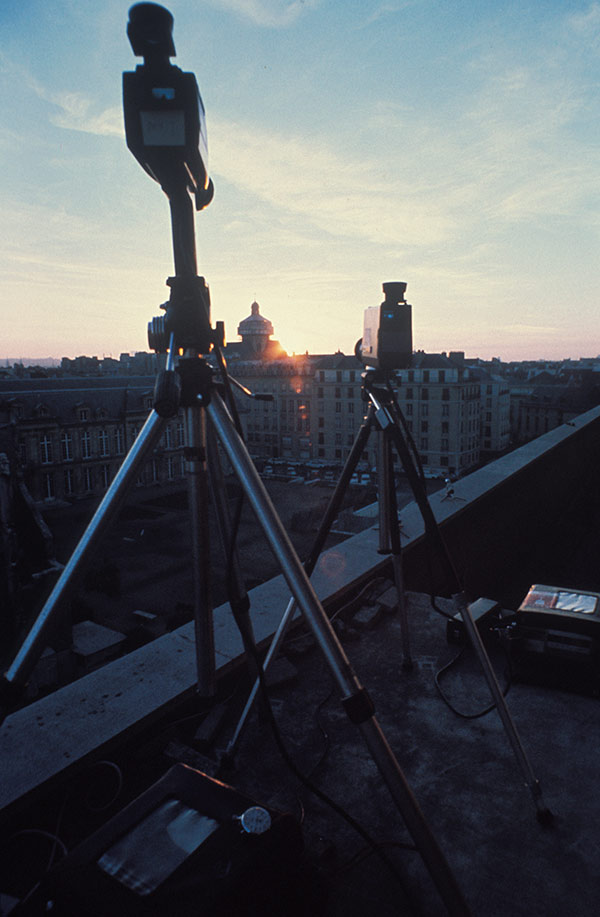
point(70, 435)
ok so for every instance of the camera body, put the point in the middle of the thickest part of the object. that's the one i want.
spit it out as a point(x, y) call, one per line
point(165, 121)
point(387, 331)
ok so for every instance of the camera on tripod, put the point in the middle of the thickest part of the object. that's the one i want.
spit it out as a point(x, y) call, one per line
point(386, 343)
point(165, 122)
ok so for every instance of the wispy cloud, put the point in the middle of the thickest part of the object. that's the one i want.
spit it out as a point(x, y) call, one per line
point(268, 13)
point(76, 112)
point(69, 110)
point(340, 195)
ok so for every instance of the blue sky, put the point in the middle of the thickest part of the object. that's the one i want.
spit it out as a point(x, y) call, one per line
point(453, 145)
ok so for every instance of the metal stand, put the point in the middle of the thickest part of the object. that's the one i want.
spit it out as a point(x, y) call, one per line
point(186, 327)
point(389, 418)
point(384, 414)
point(389, 543)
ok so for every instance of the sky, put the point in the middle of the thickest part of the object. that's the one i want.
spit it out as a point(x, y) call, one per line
point(450, 144)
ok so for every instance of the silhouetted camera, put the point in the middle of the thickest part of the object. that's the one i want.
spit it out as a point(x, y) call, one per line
point(386, 343)
point(164, 115)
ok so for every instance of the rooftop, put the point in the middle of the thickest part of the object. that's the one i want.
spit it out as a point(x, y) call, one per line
point(529, 517)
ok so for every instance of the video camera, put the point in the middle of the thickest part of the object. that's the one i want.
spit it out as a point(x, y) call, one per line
point(386, 343)
point(165, 122)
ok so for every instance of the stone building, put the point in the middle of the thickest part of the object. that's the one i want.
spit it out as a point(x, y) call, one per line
point(441, 403)
point(71, 435)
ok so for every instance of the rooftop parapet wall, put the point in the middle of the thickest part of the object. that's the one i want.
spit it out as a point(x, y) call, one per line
point(507, 525)
point(528, 516)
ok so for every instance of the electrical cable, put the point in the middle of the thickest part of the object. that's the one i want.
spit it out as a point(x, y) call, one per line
point(455, 710)
point(366, 852)
point(320, 794)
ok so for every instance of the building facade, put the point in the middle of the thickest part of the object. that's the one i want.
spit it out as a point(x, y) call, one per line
point(70, 436)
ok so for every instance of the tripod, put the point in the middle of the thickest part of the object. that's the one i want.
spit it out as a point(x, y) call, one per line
point(385, 416)
point(188, 381)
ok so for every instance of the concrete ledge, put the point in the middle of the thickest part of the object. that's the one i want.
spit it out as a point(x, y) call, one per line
point(43, 742)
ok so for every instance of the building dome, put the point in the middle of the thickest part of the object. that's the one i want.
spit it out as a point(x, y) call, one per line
point(255, 325)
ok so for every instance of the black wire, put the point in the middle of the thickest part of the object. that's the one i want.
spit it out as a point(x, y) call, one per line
point(455, 710)
point(320, 794)
point(366, 852)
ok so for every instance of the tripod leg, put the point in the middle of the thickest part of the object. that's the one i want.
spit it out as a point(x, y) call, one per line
point(236, 591)
point(354, 697)
point(433, 532)
point(34, 643)
point(544, 815)
point(197, 474)
point(319, 543)
point(389, 537)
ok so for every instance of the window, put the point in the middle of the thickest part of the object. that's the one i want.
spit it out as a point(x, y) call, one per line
point(84, 414)
point(445, 394)
point(351, 408)
point(103, 442)
point(409, 394)
point(66, 447)
point(86, 444)
point(445, 410)
point(444, 445)
point(170, 467)
point(352, 375)
point(424, 410)
point(321, 439)
point(338, 407)
point(425, 394)
point(49, 486)
point(320, 392)
point(119, 441)
point(180, 434)
point(445, 426)
point(424, 442)
point(88, 480)
point(45, 450)
point(321, 421)
point(338, 393)
point(105, 475)
point(68, 481)
point(424, 426)
point(409, 409)
point(350, 392)
point(425, 375)
point(442, 375)
point(338, 376)
point(168, 437)
point(338, 439)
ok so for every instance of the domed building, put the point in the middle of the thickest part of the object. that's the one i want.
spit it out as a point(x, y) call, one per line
point(255, 332)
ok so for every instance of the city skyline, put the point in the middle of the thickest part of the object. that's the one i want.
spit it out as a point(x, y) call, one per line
point(452, 147)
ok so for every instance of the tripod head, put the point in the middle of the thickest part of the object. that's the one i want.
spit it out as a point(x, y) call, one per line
point(165, 123)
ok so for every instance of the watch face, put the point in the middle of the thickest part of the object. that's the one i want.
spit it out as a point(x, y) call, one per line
point(255, 820)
